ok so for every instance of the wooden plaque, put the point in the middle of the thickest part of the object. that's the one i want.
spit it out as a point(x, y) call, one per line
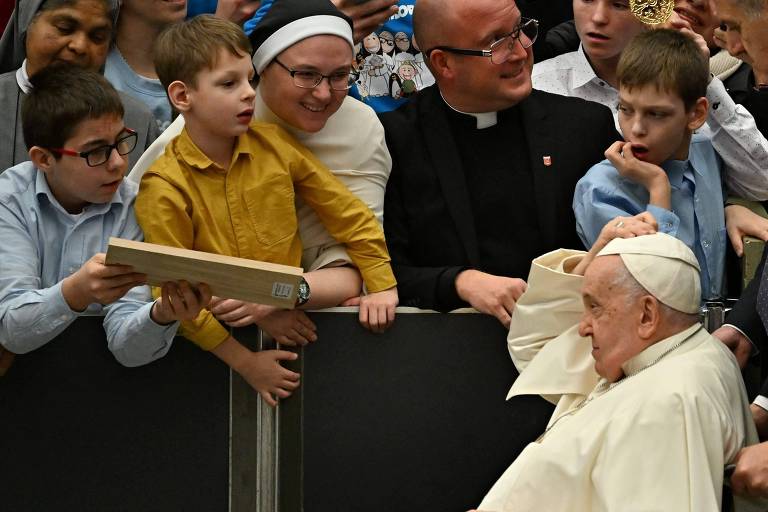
point(228, 277)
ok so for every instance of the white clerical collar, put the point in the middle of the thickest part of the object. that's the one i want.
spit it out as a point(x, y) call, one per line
point(484, 119)
point(22, 78)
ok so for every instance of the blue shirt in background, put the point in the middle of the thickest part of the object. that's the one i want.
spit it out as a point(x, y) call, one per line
point(697, 217)
point(42, 244)
point(195, 7)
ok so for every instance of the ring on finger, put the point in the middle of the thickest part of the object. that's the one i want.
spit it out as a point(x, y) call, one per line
point(620, 224)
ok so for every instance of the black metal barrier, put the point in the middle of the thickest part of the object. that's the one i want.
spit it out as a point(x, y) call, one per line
point(80, 433)
point(411, 419)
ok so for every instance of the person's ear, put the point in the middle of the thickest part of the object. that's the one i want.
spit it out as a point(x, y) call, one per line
point(178, 94)
point(440, 64)
point(697, 115)
point(650, 317)
point(42, 158)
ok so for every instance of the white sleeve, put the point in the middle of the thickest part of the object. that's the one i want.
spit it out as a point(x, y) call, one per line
point(739, 143)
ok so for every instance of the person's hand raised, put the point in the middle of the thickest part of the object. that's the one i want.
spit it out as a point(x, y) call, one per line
point(368, 15)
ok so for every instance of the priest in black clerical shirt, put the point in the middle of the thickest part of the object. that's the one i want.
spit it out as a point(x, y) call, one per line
point(484, 168)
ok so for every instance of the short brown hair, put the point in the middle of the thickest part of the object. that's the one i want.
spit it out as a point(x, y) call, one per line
point(667, 59)
point(184, 49)
point(61, 98)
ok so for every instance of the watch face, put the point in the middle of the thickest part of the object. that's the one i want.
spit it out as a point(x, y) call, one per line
point(303, 292)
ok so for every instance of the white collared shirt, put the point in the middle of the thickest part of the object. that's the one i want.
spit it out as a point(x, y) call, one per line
point(22, 78)
point(730, 127)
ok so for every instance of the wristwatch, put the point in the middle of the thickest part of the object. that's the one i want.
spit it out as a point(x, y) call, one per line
point(303, 293)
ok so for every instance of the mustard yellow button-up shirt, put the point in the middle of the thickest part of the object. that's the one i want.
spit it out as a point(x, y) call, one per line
point(186, 200)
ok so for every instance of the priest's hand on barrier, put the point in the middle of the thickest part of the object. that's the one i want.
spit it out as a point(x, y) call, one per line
point(489, 294)
point(736, 343)
point(97, 282)
point(367, 15)
point(750, 478)
point(263, 372)
point(377, 310)
point(179, 301)
point(740, 222)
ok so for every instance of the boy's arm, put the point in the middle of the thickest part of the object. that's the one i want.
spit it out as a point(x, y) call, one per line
point(132, 336)
point(140, 330)
point(30, 315)
point(161, 210)
point(598, 199)
point(736, 138)
point(346, 218)
point(653, 178)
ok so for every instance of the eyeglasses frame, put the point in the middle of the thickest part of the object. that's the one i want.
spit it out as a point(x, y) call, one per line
point(515, 34)
point(293, 72)
point(112, 147)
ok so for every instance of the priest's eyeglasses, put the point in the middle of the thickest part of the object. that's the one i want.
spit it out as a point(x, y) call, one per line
point(339, 81)
point(525, 32)
point(97, 156)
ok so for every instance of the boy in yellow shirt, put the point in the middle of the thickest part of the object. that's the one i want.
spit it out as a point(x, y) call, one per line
point(226, 185)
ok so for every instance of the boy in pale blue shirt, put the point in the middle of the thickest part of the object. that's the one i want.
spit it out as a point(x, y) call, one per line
point(57, 213)
point(662, 168)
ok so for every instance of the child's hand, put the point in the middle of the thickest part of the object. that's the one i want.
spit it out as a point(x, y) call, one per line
point(741, 222)
point(263, 372)
point(179, 301)
point(620, 227)
point(377, 310)
point(289, 327)
point(238, 313)
point(650, 176)
point(97, 282)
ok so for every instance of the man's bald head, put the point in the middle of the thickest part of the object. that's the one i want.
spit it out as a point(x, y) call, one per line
point(430, 20)
point(472, 81)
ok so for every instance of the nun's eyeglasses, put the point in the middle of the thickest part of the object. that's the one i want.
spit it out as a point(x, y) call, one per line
point(339, 80)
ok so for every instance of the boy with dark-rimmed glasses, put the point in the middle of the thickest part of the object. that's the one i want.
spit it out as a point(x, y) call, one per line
point(57, 213)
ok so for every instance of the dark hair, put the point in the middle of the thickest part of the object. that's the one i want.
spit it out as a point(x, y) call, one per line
point(184, 49)
point(61, 98)
point(667, 59)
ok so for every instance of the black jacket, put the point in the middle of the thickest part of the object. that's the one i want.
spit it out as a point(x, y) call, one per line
point(428, 220)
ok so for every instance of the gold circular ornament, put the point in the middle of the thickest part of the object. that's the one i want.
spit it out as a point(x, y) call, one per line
point(652, 12)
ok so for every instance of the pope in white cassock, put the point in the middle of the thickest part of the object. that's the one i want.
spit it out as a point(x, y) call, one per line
point(649, 407)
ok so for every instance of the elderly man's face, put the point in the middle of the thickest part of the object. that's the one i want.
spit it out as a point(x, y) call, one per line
point(753, 32)
point(481, 83)
point(609, 317)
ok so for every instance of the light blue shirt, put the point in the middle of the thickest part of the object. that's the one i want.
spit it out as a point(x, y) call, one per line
point(149, 91)
point(42, 244)
point(697, 219)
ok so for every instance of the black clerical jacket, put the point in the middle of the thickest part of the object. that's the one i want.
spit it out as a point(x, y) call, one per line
point(428, 219)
